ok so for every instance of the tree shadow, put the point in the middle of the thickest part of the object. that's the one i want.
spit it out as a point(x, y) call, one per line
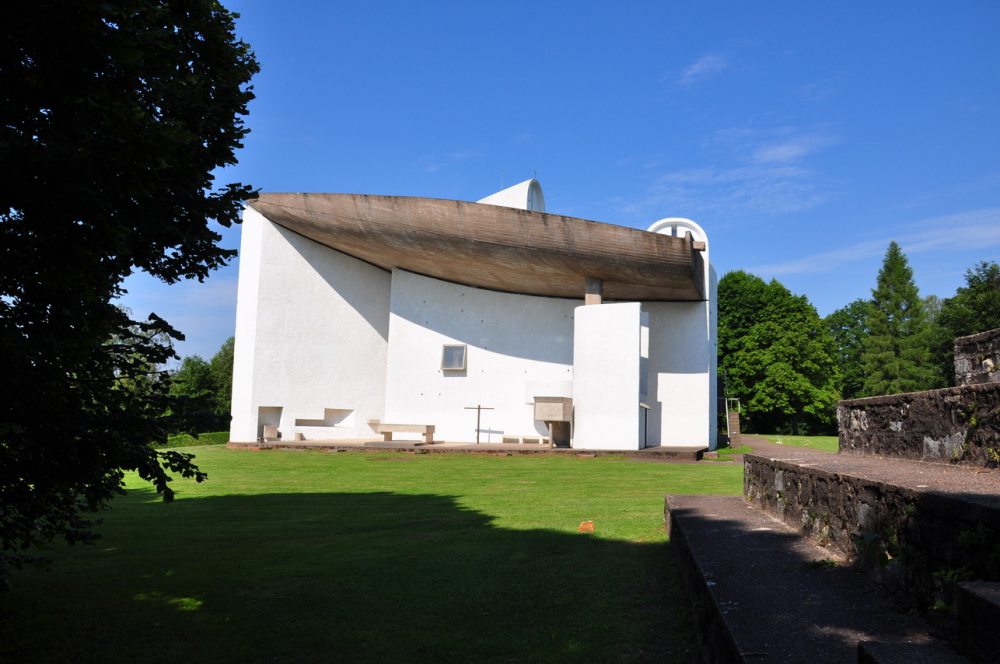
point(347, 577)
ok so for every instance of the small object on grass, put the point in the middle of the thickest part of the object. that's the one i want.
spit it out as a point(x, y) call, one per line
point(586, 527)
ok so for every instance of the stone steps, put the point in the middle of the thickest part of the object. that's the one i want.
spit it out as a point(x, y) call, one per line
point(918, 528)
point(763, 593)
point(978, 617)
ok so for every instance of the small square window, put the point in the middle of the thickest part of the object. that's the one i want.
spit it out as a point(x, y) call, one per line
point(453, 357)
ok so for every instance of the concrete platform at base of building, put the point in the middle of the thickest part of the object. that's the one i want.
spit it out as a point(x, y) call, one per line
point(675, 454)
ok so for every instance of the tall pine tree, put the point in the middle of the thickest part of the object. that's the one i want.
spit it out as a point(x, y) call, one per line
point(896, 356)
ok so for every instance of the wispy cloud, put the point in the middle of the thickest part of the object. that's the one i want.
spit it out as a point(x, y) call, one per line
point(765, 171)
point(963, 231)
point(753, 189)
point(792, 149)
point(818, 92)
point(435, 163)
point(980, 184)
point(703, 68)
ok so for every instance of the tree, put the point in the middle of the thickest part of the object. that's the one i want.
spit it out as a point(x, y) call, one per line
point(222, 377)
point(202, 392)
point(896, 355)
point(849, 327)
point(192, 409)
point(114, 117)
point(742, 297)
point(779, 357)
point(974, 308)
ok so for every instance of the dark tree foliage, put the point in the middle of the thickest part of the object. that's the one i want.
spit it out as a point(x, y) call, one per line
point(779, 358)
point(221, 366)
point(113, 117)
point(974, 308)
point(202, 392)
point(192, 408)
point(896, 356)
point(849, 327)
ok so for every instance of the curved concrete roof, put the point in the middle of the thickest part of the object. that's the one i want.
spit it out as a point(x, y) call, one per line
point(495, 247)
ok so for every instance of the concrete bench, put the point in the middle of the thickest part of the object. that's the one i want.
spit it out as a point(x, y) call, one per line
point(426, 430)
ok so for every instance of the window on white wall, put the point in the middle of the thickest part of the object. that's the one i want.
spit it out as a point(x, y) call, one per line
point(453, 357)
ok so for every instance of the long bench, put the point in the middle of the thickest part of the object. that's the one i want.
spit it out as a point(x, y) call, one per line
point(426, 430)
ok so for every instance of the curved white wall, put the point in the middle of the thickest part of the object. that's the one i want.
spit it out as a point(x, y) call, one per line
point(312, 329)
point(682, 356)
point(518, 345)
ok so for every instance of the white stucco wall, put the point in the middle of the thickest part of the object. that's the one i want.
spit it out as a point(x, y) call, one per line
point(607, 382)
point(683, 340)
point(518, 346)
point(312, 330)
point(682, 374)
point(525, 195)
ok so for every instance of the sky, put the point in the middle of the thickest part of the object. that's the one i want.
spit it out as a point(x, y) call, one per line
point(803, 137)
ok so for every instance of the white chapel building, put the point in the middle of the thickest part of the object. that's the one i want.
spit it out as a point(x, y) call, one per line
point(357, 310)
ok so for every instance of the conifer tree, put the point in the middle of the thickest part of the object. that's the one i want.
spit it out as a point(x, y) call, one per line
point(896, 356)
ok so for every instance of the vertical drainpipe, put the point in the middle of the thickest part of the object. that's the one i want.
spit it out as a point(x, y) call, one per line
point(595, 291)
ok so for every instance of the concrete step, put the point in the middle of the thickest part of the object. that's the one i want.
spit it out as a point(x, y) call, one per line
point(762, 593)
point(978, 617)
point(919, 528)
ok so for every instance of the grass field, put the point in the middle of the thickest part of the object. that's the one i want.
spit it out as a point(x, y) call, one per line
point(311, 556)
point(821, 443)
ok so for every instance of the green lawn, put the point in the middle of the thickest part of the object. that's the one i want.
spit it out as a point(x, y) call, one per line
point(821, 443)
point(313, 556)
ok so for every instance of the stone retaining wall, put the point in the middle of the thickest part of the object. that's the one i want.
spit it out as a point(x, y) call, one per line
point(918, 544)
point(977, 358)
point(953, 425)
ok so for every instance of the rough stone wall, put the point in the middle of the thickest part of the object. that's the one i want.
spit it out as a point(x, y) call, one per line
point(918, 544)
point(953, 425)
point(977, 358)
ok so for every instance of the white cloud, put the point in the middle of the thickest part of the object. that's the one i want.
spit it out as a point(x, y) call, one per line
point(435, 163)
point(983, 183)
point(963, 231)
point(764, 173)
point(769, 189)
point(703, 68)
point(792, 149)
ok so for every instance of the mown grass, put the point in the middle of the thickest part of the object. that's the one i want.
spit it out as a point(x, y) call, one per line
point(821, 443)
point(728, 453)
point(312, 556)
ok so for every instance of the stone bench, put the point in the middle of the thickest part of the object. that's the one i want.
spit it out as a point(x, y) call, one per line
point(426, 430)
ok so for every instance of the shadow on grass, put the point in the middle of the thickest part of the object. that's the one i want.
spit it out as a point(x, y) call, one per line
point(344, 577)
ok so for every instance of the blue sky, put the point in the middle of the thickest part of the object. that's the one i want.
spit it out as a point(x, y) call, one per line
point(802, 136)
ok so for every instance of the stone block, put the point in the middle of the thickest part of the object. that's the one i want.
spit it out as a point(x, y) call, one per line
point(977, 358)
